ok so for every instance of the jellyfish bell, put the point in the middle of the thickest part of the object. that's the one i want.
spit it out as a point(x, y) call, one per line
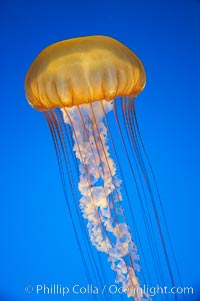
point(83, 70)
point(76, 83)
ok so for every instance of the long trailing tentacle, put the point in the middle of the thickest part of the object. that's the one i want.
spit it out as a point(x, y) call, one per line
point(62, 155)
point(146, 170)
point(80, 136)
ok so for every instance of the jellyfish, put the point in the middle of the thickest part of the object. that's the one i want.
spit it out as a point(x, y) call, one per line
point(86, 87)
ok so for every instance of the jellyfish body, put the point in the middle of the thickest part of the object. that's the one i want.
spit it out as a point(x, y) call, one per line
point(78, 83)
point(83, 70)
